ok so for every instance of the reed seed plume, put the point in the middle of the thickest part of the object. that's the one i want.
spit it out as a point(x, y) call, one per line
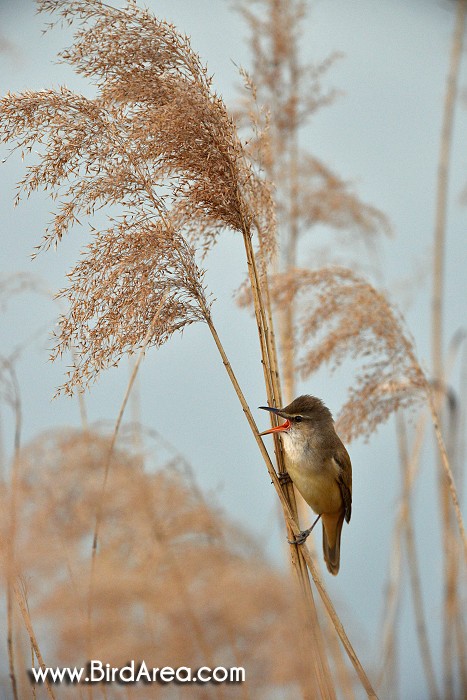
point(283, 95)
point(157, 149)
point(275, 30)
point(325, 198)
point(342, 316)
point(116, 291)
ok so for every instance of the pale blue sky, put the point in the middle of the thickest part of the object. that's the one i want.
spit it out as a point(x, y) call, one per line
point(383, 134)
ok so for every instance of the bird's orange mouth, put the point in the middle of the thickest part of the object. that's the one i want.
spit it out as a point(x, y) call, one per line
point(277, 428)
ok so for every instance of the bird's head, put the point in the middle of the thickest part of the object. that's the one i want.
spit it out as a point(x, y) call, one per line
point(301, 416)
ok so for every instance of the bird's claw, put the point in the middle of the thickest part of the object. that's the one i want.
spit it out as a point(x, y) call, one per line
point(284, 478)
point(303, 534)
point(300, 538)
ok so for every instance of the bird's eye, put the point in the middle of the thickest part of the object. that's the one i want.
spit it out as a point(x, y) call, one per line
point(298, 419)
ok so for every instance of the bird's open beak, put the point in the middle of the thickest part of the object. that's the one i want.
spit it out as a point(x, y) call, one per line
point(277, 428)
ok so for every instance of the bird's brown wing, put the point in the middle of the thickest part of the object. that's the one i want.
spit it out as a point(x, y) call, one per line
point(342, 459)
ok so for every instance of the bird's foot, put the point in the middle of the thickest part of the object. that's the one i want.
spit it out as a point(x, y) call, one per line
point(284, 478)
point(302, 536)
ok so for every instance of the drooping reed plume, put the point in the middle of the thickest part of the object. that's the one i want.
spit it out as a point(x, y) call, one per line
point(157, 148)
point(341, 316)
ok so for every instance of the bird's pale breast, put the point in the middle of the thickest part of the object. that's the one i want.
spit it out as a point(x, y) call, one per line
point(315, 480)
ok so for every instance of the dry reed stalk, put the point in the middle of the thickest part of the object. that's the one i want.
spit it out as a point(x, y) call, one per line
point(32, 658)
point(286, 498)
point(445, 483)
point(412, 563)
point(448, 472)
point(391, 607)
point(461, 651)
point(9, 641)
point(442, 188)
point(338, 626)
point(28, 624)
point(319, 683)
point(448, 485)
point(336, 651)
point(290, 153)
point(31, 684)
point(387, 666)
point(451, 598)
point(135, 415)
point(299, 508)
point(335, 648)
point(459, 621)
point(10, 393)
point(411, 467)
point(83, 414)
point(268, 352)
point(288, 515)
point(403, 522)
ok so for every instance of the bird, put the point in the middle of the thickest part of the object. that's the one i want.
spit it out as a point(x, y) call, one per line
point(319, 466)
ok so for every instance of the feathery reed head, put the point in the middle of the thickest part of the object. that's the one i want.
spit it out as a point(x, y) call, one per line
point(340, 315)
point(157, 149)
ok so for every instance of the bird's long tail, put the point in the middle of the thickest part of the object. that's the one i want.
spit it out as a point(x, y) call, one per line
point(332, 528)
